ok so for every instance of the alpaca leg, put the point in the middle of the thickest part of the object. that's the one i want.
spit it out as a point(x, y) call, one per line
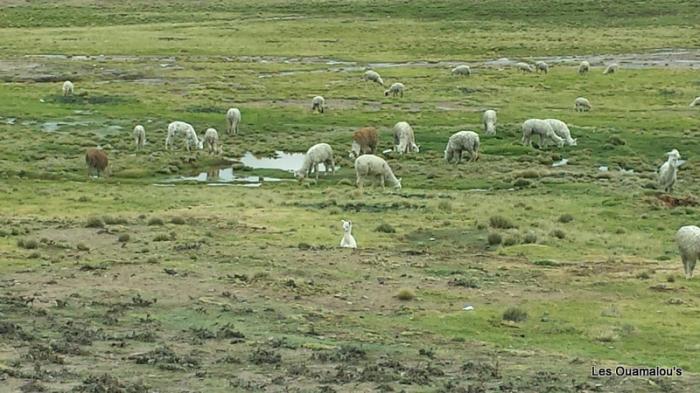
point(690, 268)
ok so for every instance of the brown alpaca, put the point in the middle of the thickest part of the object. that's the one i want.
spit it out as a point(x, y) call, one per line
point(96, 160)
point(364, 141)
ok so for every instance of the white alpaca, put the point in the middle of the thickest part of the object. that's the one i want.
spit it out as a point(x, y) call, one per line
point(688, 240)
point(139, 136)
point(584, 67)
point(348, 241)
point(489, 120)
point(668, 171)
point(233, 118)
point(318, 103)
point(181, 129)
point(211, 141)
point(373, 76)
point(395, 90)
point(67, 88)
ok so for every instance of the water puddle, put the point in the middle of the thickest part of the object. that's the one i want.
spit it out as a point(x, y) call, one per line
point(53, 126)
point(283, 161)
point(218, 176)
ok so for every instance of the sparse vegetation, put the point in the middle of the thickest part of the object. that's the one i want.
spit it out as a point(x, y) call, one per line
point(308, 315)
point(95, 222)
point(155, 221)
point(515, 314)
point(559, 234)
point(530, 238)
point(564, 218)
point(494, 239)
point(405, 294)
point(29, 244)
point(385, 228)
point(500, 222)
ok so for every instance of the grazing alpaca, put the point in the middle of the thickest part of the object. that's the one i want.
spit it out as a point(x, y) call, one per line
point(347, 241)
point(96, 161)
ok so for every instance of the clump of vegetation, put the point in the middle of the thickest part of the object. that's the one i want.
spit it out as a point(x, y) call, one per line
point(178, 220)
point(616, 141)
point(564, 218)
point(528, 174)
point(385, 228)
point(559, 234)
point(494, 239)
point(123, 238)
point(405, 294)
point(522, 183)
point(445, 206)
point(530, 238)
point(644, 276)
point(265, 356)
point(500, 222)
point(155, 221)
point(605, 335)
point(515, 314)
point(95, 222)
point(304, 246)
point(511, 240)
point(162, 237)
point(109, 220)
point(29, 244)
point(82, 247)
point(464, 282)
point(545, 262)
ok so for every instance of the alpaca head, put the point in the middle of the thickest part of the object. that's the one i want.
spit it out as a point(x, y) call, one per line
point(347, 226)
point(673, 154)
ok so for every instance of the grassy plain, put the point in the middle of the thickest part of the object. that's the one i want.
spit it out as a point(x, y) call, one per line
point(216, 289)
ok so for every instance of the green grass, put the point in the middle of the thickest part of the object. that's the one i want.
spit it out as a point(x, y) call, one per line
point(233, 255)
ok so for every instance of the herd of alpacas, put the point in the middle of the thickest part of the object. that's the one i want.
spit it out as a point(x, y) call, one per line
point(368, 165)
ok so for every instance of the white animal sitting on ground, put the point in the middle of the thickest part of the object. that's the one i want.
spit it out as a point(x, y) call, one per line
point(139, 136)
point(370, 165)
point(688, 240)
point(395, 89)
point(460, 142)
point(181, 129)
point(462, 70)
point(584, 67)
point(373, 76)
point(67, 88)
point(582, 105)
point(318, 103)
point(489, 120)
point(233, 119)
point(321, 153)
point(543, 130)
point(211, 141)
point(668, 171)
point(404, 138)
point(562, 130)
point(348, 241)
